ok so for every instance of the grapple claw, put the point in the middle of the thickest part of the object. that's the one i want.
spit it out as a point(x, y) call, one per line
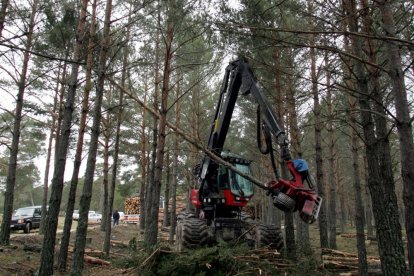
point(310, 210)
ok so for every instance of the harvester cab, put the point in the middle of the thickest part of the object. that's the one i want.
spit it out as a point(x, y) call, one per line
point(228, 191)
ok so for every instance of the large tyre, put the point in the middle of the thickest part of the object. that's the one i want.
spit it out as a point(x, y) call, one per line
point(27, 228)
point(191, 233)
point(186, 215)
point(268, 235)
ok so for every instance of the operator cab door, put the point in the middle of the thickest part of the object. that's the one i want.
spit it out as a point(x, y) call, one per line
point(238, 185)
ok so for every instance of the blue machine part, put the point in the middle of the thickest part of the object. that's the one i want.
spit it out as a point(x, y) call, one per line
point(301, 165)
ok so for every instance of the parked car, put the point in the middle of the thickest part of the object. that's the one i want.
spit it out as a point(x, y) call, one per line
point(75, 215)
point(94, 218)
point(26, 218)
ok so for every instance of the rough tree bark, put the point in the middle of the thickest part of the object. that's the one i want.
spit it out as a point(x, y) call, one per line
point(3, 13)
point(368, 207)
point(174, 183)
point(322, 220)
point(404, 122)
point(52, 132)
point(302, 230)
point(143, 160)
point(149, 189)
point(64, 245)
point(106, 133)
point(341, 196)
point(381, 126)
point(166, 221)
point(86, 196)
point(14, 148)
point(151, 232)
point(48, 251)
point(125, 73)
point(280, 111)
point(62, 95)
point(331, 158)
point(359, 208)
point(389, 236)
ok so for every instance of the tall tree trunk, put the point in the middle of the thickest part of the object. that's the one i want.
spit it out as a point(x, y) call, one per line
point(48, 251)
point(368, 214)
point(174, 183)
point(149, 190)
point(151, 232)
point(144, 160)
point(359, 208)
point(302, 230)
point(107, 240)
point(3, 13)
point(389, 238)
point(106, 131)
point(331, 158)
point(49, 155)
point(404, 123)
point(383, 144)
point(64, 245)
point(341, 196)
point(14, 148)
point(166, 221)
point(85, 199)
point(280, 111)
point(323, 225)
point(60, 108)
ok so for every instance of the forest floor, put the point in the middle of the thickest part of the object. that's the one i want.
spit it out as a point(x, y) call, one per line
point(22, 257)
point(128, 257)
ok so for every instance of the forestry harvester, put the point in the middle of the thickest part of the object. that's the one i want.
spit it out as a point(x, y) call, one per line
point(222, 190)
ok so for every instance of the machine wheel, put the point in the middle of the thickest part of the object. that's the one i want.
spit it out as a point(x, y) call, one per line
point(191, 233)
point(268, 235)
point(186, 215)
point(27, 228)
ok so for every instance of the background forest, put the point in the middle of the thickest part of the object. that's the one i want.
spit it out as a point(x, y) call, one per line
point(94, 91)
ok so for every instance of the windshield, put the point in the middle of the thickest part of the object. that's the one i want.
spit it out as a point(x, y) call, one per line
point(24, 212)
point(239, 185)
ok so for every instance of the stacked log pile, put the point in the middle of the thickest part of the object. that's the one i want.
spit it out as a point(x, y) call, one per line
point(131, 205)
point(337, 261)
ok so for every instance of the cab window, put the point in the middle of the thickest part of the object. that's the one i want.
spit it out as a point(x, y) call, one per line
point(239, 185)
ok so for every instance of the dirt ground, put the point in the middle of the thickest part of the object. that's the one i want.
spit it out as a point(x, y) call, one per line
point(22, 257)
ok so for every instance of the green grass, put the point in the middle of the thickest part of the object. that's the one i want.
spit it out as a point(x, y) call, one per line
point(343, 244)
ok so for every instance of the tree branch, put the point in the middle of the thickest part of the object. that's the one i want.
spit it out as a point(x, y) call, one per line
point(42, 55)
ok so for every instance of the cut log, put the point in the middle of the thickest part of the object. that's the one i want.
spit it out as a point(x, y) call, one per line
point(94, 252)
point(32, 247)
point(119, 243)
point(338, 265)
point(93, 260)
point(337, 253)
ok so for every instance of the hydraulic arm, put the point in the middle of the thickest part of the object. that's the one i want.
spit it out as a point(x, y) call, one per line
point(288, 195)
